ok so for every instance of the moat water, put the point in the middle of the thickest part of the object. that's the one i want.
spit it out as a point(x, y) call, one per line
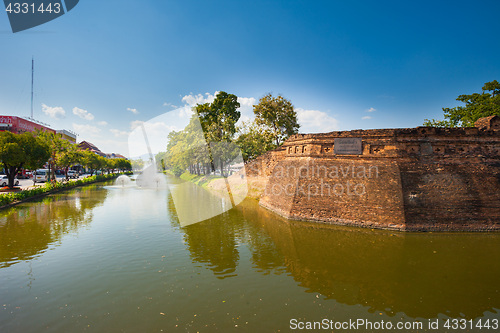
point(107, 259)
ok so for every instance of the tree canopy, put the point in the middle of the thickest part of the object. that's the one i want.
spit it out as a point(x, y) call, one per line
point(477, 105)
point(279, 115)
point(254, 140)
point(21, 150)
point(218, 119)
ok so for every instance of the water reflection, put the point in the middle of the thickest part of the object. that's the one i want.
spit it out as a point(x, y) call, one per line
point(29, 229)
point(136, 262)
point(421, 275)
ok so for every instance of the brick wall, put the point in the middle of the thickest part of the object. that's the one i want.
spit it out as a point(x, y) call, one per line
point(407, 179)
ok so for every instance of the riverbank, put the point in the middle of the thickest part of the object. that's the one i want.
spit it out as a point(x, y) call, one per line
point(254, 184)
point(14, 198)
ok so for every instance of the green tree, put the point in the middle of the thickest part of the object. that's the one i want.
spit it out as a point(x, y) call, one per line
point(218, 121)
point(123, 164)
point(254, 140)
point(20, 150)
point(91, 160)
point(58, 148)
point(476, 106)
point(67, 157)
point(137, 164)
point(279, 115)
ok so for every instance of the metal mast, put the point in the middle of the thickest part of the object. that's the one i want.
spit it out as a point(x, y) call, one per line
point(32, 72)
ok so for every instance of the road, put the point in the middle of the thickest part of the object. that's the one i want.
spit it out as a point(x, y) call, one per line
point(28, 183)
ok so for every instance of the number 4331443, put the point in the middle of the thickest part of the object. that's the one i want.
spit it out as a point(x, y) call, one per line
point(26, 8)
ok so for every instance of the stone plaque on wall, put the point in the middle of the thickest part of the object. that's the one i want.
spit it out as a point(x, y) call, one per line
point(347, 146)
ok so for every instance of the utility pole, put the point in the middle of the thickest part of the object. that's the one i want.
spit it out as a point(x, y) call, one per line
point(32, 74)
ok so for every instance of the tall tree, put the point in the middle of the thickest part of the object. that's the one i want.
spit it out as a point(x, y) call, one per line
point(279, 115)
point(476, 106)
point(218, 121)
point(68, 157)
point(20, 150)
point(58, 148)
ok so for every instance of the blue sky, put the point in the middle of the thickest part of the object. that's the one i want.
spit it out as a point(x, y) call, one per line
point(106, 65)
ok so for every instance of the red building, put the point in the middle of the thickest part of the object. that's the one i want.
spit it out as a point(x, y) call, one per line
point(85, 145)
point(20, 125)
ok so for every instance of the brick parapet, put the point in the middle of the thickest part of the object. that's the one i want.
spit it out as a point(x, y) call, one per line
point(429, 179)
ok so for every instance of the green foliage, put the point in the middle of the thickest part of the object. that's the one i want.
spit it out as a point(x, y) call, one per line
point(279, 115)
point(206, 142)
point(476, 106)
point(254, 140)
point(93, 161)
point(137, 164)
point(57, 146)
point(123, 164)
point(21, 150)
point(7, 198)
point(218, 119)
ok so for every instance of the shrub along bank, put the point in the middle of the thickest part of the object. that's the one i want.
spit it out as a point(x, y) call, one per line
point(9, 198)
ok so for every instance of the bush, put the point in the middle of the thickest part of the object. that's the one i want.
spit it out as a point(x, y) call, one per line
point(8, 198)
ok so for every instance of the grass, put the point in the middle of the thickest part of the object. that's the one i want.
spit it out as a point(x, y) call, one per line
point(201, 180)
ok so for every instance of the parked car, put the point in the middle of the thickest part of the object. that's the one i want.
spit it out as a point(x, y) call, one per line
point(23, 174)
point(72, 174)
point(4, 181)
point(41, 175)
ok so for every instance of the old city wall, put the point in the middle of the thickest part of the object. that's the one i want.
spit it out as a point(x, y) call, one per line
point(405, 179)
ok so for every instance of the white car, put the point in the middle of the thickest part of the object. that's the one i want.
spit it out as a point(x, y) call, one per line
point(72, 174)
point(41, 175)
point(4, 181)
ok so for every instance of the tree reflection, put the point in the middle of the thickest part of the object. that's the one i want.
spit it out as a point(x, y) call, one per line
point(214, 242)
point(30, 228)
point(421, 275)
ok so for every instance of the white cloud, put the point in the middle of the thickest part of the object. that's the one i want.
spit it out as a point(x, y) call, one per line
point(135, 123)
point(134, 111)
point(102, 123)
point(86, 129)
point(155, 126)
point(366, 118)
point(84, 114)
point(153, 136)
point(371, 110)
point(246, 108)
point(314, 121)
point(54, 112)
point(118, 132)
point(170, 105)
point(192, 100)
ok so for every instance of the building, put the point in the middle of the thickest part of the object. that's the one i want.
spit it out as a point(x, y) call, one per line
point(67, 135)
point(114, 155)
point(488, 123)
point(85, 145)
point(20, 125)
